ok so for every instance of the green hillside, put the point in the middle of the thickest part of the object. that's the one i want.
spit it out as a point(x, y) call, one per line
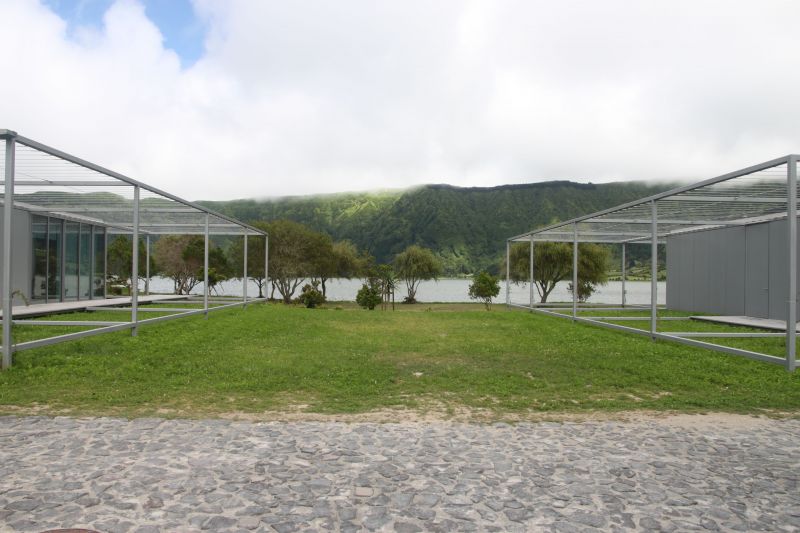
point(466, 226)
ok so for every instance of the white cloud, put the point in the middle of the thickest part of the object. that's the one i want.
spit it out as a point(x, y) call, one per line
point(319, 96)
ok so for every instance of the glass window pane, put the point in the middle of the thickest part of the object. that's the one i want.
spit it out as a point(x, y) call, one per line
point(99, 274)
point(71, 239)
point(39, 280)
point(54, 260)
point(85, 264)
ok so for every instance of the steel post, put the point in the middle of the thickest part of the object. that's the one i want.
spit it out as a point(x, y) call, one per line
point(791, 220)
point(147, 266)
point(266, 266)
point(135, 264)
point(532, 287)
point(244, 275)
point(623, 274)
point(574, 271)
point(205, 271)
point(508, 272)
point(8, 207)
point(653, 268)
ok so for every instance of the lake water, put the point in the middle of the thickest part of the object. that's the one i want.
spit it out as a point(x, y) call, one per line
point(449, 290)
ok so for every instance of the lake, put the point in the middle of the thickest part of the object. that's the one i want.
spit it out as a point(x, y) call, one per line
point(449, 290)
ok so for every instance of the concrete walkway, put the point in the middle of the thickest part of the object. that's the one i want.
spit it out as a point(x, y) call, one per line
point(26, 311)
point(152, 475)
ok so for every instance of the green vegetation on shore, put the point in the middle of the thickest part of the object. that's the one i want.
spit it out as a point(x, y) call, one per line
point(341, 359)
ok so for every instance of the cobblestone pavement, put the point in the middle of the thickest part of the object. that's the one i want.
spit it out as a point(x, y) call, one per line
point(155, 475)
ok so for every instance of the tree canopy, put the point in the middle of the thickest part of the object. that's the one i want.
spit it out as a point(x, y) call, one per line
point(415, 264)
point(553, 263)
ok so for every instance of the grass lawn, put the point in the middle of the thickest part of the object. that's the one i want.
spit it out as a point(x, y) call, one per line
point(450, 358)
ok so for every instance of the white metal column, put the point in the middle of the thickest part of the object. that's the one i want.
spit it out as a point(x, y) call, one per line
point(8, 207)
point(244, 275)
point(147, 266)
point(574, 271)
point(532, 287)
point(135, 264)
point(205, 271)
point(623, 274)
point(508, 272)
point(653, 267)
point(266, 266)
point(791, 315)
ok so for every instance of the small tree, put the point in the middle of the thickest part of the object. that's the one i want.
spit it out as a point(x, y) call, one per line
point(369, 296)
point(484, 287)
point(413, 265)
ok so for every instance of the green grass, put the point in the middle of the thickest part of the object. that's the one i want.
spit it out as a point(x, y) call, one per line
point(347, 360)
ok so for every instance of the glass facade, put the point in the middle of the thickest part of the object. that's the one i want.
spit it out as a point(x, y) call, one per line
point(69, 260)
point(85, 263)
point(99, 263)
point(39, 286)
point(55, 228)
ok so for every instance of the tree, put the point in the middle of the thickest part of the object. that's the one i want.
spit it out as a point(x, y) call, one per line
point(553, 263)
point(413, 265)
point(484, 287)
point(120, 260)
point(182, 259)
point(379, 288)
point(255, 259)
point(290, 255)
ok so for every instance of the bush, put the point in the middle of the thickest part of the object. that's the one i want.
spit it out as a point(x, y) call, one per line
point(311, 296)
point(484, 287)
point(369, 296)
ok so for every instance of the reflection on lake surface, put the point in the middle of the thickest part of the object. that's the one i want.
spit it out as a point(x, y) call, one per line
point(449, 290)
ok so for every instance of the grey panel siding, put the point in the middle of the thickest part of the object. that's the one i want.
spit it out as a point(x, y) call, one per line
point(778, 269)
point(734, 254)
point(730, 271)
point(21, 253)
point(756, 291)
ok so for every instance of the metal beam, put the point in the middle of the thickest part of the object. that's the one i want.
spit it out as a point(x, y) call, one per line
point(135, 263)
point(623, 273)
point(8, 341)
point(532, 286)
point(69, 183)
point(244, 275)
point(664, 195)
point(653, 268)
point(147, 266)
point(205, 271)
point(574, 271)
point(508, 272)
point(116, 175)
point(791, 221)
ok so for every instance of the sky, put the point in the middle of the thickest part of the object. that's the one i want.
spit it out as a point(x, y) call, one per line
point(223, 99)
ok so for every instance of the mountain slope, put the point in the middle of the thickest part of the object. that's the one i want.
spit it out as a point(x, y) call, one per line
point(467, 227)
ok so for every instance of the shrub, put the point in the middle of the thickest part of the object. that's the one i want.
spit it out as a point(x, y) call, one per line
point(311, 296)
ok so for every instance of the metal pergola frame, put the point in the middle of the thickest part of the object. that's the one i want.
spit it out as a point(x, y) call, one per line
point(759, 193)
point(43, 180)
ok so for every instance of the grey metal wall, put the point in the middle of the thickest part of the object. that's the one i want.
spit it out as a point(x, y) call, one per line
point(730, 271)
point(21, 253)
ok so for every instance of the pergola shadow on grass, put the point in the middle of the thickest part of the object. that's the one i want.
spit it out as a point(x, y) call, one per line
point(47, 182)
point(760, 193)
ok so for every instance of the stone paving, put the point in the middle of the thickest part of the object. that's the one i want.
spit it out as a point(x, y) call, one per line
point(151, 475)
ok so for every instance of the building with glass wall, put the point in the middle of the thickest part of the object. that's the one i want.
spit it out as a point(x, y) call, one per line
point(56, 259)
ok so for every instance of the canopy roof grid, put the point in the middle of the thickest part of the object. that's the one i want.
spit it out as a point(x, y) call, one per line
point(760, 193)
point(43, 180)
point(754, 194)
point(51, 182)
